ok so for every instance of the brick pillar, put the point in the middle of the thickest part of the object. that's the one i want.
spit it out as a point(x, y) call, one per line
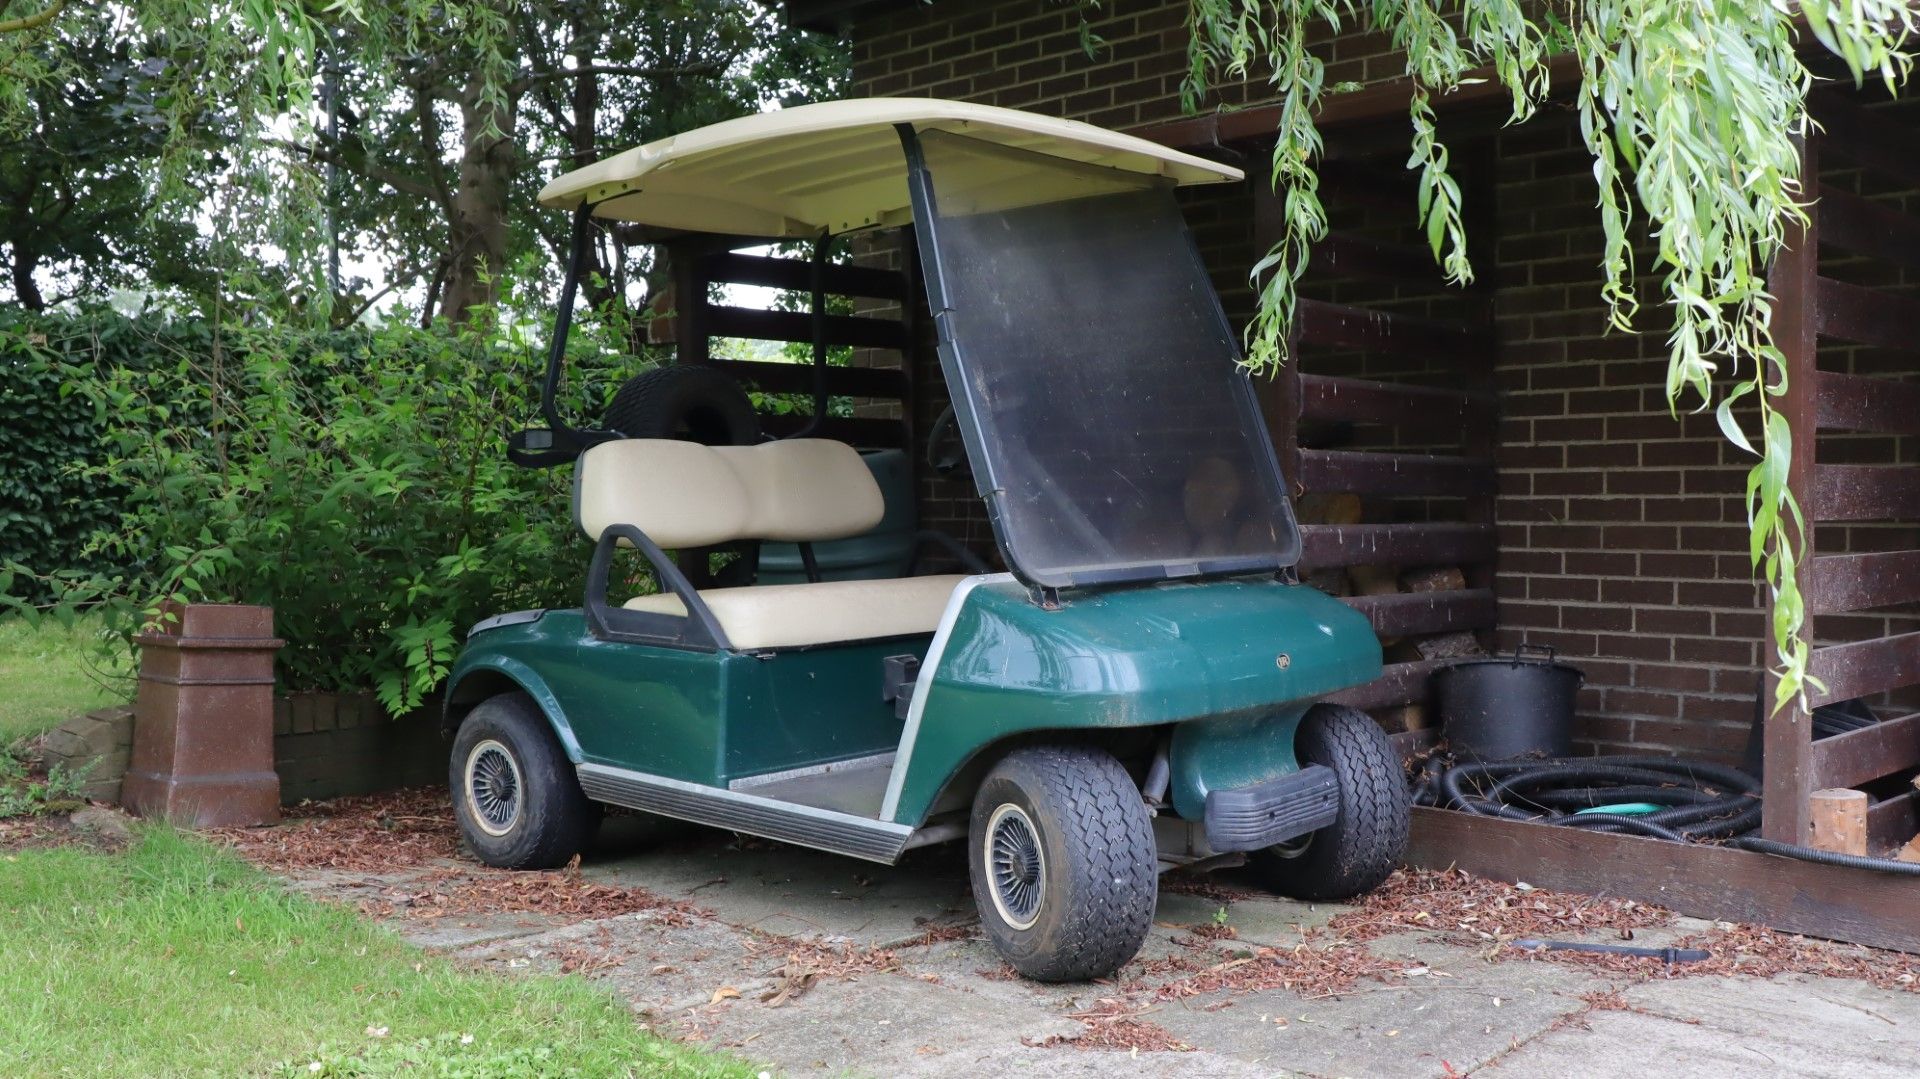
point(203, 720)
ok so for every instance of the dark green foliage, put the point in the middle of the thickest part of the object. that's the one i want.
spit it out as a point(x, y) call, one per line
point(354, 480)
point(48, 431)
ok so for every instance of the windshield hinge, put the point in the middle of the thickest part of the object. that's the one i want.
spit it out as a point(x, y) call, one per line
point(1047, 598)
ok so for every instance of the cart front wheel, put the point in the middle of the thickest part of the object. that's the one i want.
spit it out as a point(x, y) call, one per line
point(1365, 842)
point(1063, 862)
point(515, 796)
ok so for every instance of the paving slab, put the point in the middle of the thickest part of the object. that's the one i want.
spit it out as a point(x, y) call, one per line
point(941, 1007)
point(899, 1025)
point(1409, 1026)
point(1707, 1028)
point(1256, 919)
point(793, 892)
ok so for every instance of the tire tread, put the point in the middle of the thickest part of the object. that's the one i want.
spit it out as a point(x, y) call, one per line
point(1090, 797)
point(1366, 843)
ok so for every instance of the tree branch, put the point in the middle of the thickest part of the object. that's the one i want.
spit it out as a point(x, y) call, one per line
point(527, 80)
point(30, 22)
point(429, 122)
point(360, 165)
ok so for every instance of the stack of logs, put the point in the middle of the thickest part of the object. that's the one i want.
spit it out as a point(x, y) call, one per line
point(1350, 509)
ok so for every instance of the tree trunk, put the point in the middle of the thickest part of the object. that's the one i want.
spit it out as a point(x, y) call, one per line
point(25, 289)
point(477, 233)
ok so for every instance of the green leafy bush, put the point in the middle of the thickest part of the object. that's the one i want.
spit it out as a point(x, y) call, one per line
point(353, 480)
point(49, 508)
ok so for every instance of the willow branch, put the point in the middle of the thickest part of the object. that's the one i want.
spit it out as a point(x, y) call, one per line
point(361, 165)
point(33, 21)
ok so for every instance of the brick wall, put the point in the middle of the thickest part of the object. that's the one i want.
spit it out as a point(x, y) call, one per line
point(326, 745)
point(1622, 532)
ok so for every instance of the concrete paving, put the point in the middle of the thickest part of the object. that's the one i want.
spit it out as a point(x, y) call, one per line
point(891, 1000)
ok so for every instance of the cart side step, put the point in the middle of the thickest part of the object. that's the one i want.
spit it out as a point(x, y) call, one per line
point(769, 818)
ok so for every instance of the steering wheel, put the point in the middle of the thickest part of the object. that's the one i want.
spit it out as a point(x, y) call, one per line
point(946, 453)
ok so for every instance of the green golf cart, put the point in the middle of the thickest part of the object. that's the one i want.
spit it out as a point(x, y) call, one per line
point(1136, 691)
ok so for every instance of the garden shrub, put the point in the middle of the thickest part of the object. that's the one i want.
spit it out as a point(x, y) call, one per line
point(355, 481)
point(49, 510)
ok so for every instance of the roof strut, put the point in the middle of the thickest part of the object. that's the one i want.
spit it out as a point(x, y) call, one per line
point(817, 283)
point(560, 443)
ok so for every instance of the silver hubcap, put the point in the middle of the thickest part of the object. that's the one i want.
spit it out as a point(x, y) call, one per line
point(494, 788)
point(1016, 866)
point(1292, 848)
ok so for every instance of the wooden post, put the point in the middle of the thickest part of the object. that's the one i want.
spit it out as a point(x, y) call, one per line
point(689, 301)
point(1278, 392)
point(1787, 746)
point(1838, 821)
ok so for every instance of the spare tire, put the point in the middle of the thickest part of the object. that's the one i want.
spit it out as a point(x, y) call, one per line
point(689, 402)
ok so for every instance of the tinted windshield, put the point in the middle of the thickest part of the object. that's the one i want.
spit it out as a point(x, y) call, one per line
point(1112, 429)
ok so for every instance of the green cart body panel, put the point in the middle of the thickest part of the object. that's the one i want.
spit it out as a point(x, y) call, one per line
point(1233, 663)
point(701, 717)
point(1242, 654)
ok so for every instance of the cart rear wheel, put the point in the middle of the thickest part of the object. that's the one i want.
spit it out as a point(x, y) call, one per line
point(1064, 867)
point(515, 796)
point(690, 402)
point(1365, 842)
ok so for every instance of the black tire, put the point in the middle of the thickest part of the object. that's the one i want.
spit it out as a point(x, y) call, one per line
point(505, 743)
point(1365, 843)
point(1097, 870)
point(690, 402)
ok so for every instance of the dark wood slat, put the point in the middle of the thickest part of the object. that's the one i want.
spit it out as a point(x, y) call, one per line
point(1892, 821)
point(1867, 137)
point(1859, 403)
point(797, 275)
point(798, 378)
point(855, 431)
point(1408, 743)
point(1698, 879)
point(1479, 89)
point(1853, 758)
point(1418, 544)
point(1360, 400)
point(1865, 316)
point(1785, 816)
point(1863, 668)
point(1339, 326)
point(1278, 393)
point(859, 332)
point(1346, 255)
point(1854, 582)
point(1398, 684)
point(1863, 492)
point(1394, 473)
point(1408, 614)
point(1353, 182)
point(1865, 227)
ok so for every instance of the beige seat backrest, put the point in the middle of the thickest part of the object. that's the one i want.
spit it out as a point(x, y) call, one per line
point(683, 494)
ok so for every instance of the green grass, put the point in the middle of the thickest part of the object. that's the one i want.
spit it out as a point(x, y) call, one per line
point(48, 673)
point(176, 958)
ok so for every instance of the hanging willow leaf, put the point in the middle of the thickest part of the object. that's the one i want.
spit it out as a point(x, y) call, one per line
point(1692, 111)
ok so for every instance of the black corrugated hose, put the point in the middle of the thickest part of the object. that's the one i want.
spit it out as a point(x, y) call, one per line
point(1700, 802)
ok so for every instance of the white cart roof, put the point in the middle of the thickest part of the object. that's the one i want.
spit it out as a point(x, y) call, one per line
point(834, 166)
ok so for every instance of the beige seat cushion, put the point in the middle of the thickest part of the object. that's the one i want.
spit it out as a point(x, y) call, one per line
point(683, 494)
point(794, 615)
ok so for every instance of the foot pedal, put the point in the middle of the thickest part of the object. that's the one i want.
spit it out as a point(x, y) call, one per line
point(897, 676)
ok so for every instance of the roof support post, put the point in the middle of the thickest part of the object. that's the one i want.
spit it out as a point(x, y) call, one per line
point(1787, 746)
